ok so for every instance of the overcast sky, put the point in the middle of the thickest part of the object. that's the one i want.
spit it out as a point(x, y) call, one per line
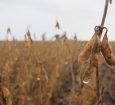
point(78, 16)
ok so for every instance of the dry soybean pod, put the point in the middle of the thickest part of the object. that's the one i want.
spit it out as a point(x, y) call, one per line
point(107, 51)
point(85, 54)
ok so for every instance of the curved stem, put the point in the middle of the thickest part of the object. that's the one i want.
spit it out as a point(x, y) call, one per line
point(105, 13)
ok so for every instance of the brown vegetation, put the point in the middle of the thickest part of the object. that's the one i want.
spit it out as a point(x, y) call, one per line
point(48, 73)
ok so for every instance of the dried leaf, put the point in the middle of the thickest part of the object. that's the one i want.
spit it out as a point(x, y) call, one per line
point(7, 95)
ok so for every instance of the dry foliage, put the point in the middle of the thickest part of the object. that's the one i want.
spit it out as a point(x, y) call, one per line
point(48, 73)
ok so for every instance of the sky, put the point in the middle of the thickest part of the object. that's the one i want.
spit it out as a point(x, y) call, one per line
point(74, 16)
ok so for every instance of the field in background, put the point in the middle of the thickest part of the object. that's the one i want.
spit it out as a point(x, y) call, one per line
point(48, 73)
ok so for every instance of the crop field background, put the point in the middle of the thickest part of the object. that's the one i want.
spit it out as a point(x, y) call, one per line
point(49, 72)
